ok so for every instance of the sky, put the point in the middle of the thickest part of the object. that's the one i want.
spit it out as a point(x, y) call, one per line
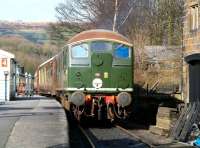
point(29, 10)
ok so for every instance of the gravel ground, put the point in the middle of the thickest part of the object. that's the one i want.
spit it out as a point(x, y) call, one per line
point(154, 140)
point(113, 138)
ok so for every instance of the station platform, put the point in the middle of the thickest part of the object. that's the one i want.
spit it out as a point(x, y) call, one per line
point(35, 122)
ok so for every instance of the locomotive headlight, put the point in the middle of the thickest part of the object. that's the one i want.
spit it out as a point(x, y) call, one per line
point(77, 98)
point(124, 99)
point(97, 83)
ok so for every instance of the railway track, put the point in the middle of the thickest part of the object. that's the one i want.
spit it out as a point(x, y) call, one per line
point(112, 137)
point(135, 136)
point(97, 135)
point(94, 135)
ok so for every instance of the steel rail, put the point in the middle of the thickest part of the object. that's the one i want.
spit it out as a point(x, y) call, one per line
point(87, 137)
point(134, 135)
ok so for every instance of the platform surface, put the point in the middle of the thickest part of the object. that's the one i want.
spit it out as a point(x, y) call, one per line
point(33, 123)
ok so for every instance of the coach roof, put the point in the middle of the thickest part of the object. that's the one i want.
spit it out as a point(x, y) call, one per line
point(99, 34)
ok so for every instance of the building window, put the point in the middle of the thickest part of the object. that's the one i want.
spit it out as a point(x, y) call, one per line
point(4, 62)
point(194, 17)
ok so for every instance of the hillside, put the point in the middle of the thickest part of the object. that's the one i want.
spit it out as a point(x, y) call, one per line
point(34, 32)
point(28, 41)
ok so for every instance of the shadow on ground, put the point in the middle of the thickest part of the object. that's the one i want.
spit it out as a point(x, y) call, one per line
point(145, 107)
point(76, 137)
point(23, 98)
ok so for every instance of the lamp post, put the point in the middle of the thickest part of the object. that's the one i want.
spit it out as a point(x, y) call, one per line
point(26, 83)
point(6, 75)
point(29, 84)
point(17, 82)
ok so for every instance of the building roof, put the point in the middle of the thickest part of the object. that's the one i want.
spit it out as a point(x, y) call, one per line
point(6, 54)
point(100, 34)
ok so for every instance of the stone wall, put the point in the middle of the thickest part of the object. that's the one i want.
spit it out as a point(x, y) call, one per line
point(191, 39)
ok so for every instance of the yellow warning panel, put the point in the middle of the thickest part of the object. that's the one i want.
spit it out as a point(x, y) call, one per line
point(105, 75)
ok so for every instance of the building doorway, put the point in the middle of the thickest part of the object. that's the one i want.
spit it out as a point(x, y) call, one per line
point(194, 77)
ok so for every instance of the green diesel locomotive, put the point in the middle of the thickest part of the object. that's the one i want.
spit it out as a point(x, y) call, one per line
point(93, 75)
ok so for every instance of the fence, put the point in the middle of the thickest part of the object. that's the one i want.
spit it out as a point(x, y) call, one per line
point(160, 69)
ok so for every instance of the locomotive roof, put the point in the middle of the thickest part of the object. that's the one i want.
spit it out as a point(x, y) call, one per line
point(99, 34)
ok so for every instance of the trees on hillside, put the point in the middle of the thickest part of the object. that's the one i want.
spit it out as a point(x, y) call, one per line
point(168, 22)
point(27, 53)
point(61, 32)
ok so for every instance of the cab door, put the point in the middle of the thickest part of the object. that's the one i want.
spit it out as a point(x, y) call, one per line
point(101, 63)
point(101, 69)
